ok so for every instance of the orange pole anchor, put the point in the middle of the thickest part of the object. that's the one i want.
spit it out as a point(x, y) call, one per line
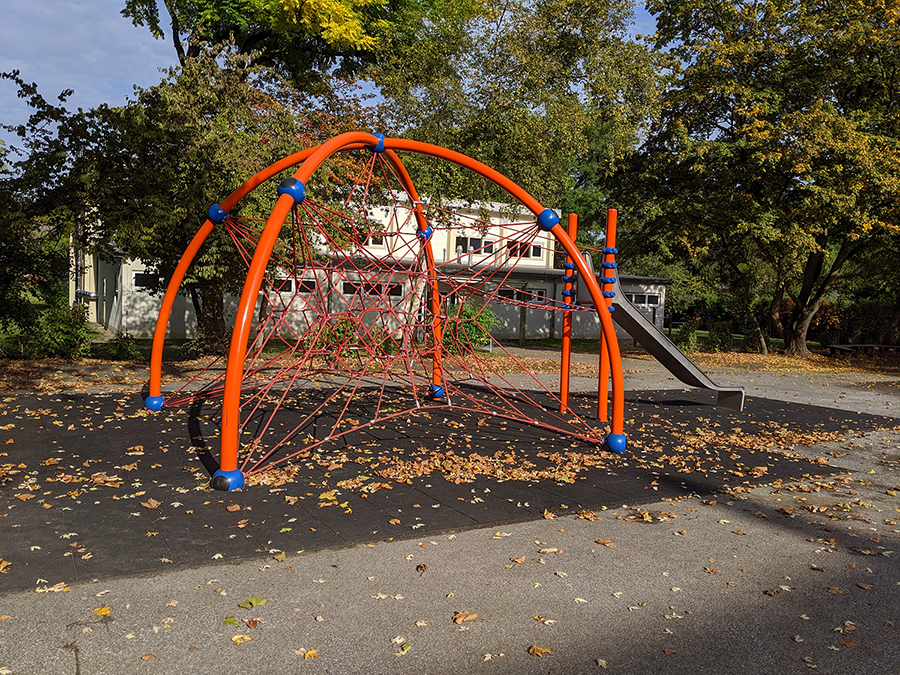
point(568, 294)
point(606, 282)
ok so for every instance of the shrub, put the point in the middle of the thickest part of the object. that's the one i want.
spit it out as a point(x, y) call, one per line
point(686, 336)
point(63, 331)
point(123, 348)
point(468, 327)
point(720, 338)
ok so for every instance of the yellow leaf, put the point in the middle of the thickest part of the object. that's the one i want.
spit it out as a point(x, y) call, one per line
point(311, 654)
point(102, 611)
point(239, 639)
point(534, 650)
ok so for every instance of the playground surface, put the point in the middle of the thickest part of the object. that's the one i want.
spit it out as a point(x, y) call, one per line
point(754, 542)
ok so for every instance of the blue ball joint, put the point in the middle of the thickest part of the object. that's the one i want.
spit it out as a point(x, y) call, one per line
point(294, 188)
point(217, 214)
point(615, 443)
point(436, 392)
point(547, 220)
point(425, 235)
point(227, 481)
point(380, 147)
point(154, 403)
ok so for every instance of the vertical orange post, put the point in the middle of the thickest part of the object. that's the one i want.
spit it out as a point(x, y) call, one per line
point(568, 292)
point(609, 258)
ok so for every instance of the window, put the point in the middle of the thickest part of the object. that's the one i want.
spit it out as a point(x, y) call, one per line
point(147, 280)
point(464, 244)
point(523, 249)
point(508, 293)
point(488, 247)
point(395, 290)
point(653, 300)
point(640, 299)
point(283, 285)
point(374, 240)
point(539, 296)
point(349, 289)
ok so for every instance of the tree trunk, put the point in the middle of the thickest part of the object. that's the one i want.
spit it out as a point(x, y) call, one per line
point(758, 334)
point(212, 335)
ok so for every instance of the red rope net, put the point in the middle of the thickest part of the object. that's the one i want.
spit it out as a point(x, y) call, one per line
point(344, 334)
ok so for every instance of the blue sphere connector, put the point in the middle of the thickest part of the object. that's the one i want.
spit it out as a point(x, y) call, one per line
point(615, 443)
point(608, 294)
point(569, 266)
point(608, 280)
point(227, 481)
point(436, 392)
point(569, 280)
point(610, 250)
point(547, 220)
point(568, 294)
point(154, 403)
point(217, 214)
point(294, 188)
point(379, 148)
point(425, 235)
point(608, 265)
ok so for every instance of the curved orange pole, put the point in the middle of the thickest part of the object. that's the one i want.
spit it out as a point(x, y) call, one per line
point(155, 399)
point(311, 160)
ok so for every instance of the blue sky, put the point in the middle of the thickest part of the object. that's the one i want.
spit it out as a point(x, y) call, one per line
point(90, 47)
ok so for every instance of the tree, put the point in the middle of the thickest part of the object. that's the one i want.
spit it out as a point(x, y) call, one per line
point(778, 142)
point(548, 92)
point(159, 162)
point(304, 41)
point(37, 205)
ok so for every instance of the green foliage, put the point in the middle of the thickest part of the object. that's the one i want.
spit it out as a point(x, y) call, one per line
point(305, 41)
point(551, 93)
point(64, 332)
point(720, 337)
point(468, 327)
point(123, 347)
point(685, 337)
point(772, 151)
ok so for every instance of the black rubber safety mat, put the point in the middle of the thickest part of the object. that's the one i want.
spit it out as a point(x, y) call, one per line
point(93, 487)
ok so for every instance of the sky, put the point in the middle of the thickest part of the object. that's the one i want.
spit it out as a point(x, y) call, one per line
point(88, 46)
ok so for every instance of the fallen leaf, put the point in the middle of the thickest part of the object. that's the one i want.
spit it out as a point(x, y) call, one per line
point(146, 657)
point(561, 575)
point(548, 514)
point(4, 566)
point(670, 652)
point(280, 557)
point(849, 644)
point(602, 663)
point(548, 550)
point(580, 600)
point(459, 617)
point(534, 650)
point(172, 603)
point(394, 521)
point(834, 590)
point(102, 611)
point(151, 504)
point(311, 654)
point(233, 507)
point(865, 586)
point(230, 621)
point(738, 532)
point(240, 639)
point(250, 603)
point(797, 638)
point(518, 560)
point(606, 542)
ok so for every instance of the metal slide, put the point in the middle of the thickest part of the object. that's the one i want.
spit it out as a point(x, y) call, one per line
point(655, 341)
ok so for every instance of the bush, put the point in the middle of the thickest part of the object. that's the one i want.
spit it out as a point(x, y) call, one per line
point(468, 327)
point(63, 331)
point(123, 348)
point(685, 338)
point(720, 338)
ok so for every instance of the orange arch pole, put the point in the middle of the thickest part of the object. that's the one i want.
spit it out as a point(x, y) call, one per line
point(155, 400)
point(292, 192)
point(608, 257)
